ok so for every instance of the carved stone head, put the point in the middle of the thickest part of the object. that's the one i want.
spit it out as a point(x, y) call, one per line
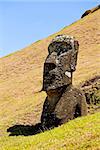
point(62, 44)
point(61, 62)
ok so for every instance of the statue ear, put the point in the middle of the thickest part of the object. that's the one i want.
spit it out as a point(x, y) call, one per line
point(74, 56)
point(50, 49)
point(76, 45)
point(73, 62)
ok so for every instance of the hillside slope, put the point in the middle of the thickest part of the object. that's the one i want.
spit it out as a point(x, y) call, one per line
point(21, 72)
point(25, 66)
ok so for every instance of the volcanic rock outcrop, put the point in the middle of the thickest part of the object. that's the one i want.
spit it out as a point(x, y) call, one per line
point(87, 12)
point(63, 101)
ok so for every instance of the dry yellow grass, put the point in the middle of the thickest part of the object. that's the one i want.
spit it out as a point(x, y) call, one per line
point(21, 72)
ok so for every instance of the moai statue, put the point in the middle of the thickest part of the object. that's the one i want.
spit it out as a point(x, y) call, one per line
point(63, 101)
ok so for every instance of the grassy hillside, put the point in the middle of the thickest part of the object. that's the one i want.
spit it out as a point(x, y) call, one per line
point(21, 79)
point(79, 134)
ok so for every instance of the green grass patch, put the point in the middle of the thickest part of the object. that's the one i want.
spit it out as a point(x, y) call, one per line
point(79, 134)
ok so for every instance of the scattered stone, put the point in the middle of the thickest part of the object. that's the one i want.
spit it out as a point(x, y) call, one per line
point(91, 89)
point(87, 12)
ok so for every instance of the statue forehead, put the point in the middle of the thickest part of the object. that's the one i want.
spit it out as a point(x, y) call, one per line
point(63, 38)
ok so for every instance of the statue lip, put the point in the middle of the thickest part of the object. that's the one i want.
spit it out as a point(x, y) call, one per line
point(68, 74)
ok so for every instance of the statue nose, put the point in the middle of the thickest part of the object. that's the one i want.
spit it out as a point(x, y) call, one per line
point(68, 74)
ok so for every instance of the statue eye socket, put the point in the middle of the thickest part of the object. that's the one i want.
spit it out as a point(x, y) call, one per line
point(59, 47)
point(63, 48)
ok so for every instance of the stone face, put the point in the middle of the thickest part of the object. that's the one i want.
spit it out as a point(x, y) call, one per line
point(60, 63)
point(63, 101)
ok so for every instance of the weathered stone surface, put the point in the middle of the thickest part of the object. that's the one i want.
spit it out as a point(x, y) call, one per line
point(60, 63)
point(91, 90)
point(71, 105)
point(63, 101)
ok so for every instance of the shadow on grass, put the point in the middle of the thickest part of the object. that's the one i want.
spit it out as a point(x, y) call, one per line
point(26, 130)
